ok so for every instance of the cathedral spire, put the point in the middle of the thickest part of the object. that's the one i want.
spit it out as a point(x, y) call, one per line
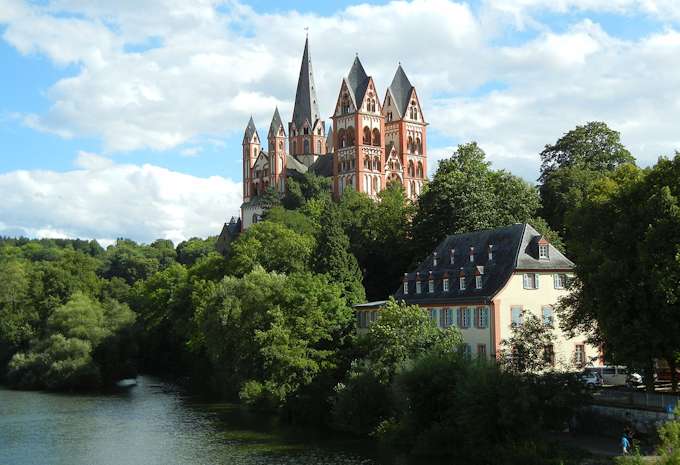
point(401, 89)
point(306, 106)
point(276, 124)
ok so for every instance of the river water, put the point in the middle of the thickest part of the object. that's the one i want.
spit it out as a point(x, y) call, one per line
point(154, 423)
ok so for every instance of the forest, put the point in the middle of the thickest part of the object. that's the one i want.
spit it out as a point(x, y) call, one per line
point(270, 323)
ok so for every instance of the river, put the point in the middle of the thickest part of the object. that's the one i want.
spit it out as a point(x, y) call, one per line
point(155, 423)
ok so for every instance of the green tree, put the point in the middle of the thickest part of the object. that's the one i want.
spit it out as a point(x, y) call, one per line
point(570, 165)
point(625, 237)
point(272, 246)
point(466, 195)
point(333, 257)
point(527, 350)
point(188, 252)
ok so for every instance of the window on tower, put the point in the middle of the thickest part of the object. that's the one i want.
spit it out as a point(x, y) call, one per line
point(376, 137)
point(367, 136)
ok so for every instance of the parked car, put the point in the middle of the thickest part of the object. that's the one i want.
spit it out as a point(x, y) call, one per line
point(591, 379)
point(616, 375)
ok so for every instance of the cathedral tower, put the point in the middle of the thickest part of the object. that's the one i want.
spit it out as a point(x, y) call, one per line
point(276, 139)
point(306, 131)
point(405, 135)
point(358, 126)
point(251, 149)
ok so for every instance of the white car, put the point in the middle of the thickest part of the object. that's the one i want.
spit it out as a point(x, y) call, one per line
point(591, 379)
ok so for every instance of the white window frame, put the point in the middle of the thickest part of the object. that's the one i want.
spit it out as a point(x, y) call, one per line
point(543, 251)
point(465, 317)
point(462, 283)
point(405, 287)
point(434, 316)
point(483, 317)
point(560, 280)
point(478, 281)
point(430, 286)
point(418, 287)
point(526, 280)
point(445, 284)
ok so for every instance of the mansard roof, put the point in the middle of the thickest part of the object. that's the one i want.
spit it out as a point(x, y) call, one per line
point(357, 82)
point(515, 248)
point(250, 130)
point(306, 107)
point(401, 89)
point(276, 124)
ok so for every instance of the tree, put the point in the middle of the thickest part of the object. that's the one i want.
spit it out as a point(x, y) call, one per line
point(625, 237)
point(272, 246)
point(268, 335)
point(332, 256)
point(189, 251)
point(529, 348)
point(466, 195)
point(573, 163)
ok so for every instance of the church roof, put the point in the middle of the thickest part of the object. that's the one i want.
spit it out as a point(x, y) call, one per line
point(514, 247)
point(250, 130)
point(329, 137)
point(306, 106)
point(323, 165)
point(401, 89)
point(276, 123)
point(293, 163)
point(357, 81)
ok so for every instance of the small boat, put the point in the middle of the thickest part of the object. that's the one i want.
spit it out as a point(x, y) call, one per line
point(126, 383)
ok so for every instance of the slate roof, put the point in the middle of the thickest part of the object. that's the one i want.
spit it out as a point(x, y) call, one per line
point(276, 124)
point(306, 106)
point(515, 247)
point(329, 137)
point(323, 165)
point(250, 130)
point(401, 89)
point(357, 81)
point(293, 163)
point(230, 231)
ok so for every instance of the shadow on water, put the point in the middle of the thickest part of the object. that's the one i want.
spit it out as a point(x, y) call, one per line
point(156, 423)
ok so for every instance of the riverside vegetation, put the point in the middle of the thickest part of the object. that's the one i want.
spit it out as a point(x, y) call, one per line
point(271, 323)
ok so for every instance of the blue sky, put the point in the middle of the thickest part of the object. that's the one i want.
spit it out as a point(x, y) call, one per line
point(120, 114)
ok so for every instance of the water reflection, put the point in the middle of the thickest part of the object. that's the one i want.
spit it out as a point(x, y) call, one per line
point(153, 423)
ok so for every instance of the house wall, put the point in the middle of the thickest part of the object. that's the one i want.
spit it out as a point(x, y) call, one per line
point(532, 301)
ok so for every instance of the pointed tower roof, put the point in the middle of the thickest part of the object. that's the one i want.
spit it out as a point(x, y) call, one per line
point(250, 130)
point(276, 123)
point(357, 81)
point(329, 137)
point(401, 89)
point(306, 107)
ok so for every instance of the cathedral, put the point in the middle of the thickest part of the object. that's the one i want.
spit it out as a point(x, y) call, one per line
point(369, 145)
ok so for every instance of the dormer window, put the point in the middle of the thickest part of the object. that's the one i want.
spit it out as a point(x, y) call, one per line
point(461, 280)
point(418, 284)
point(453, 251)
point(445, 283)
point(472, 254)
point(405, 284)
point(435, 259)
point(543, 252)
point(430, 285)
point(305, 130)
point(490, 252)
point(478, 281)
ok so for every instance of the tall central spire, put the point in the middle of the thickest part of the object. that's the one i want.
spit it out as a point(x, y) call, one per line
point(306, 106)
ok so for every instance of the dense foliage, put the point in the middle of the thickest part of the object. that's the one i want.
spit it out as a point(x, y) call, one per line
point(271, 323)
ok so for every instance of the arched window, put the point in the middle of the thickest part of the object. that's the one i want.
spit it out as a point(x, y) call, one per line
point(351, 141)
point(306, 146)
point(254, 152)
point(342, 139)
point(411, 169)
point(256, 217)
point(376, 136)
point(318, 146)
point(367, 187)
point(418, 146)
point(280, 145)
point(413, 188)
point(420, 169)
point(367, 162)
point(409, 144)
point(376, 184)
point(367, 136)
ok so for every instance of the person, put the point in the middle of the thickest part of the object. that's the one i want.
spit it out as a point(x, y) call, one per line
point(625, 444)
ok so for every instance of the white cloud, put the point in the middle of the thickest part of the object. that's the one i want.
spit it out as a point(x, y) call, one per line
point(104, 200)
point(196, 71)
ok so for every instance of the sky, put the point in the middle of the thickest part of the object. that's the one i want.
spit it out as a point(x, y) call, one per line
point(125, 118)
